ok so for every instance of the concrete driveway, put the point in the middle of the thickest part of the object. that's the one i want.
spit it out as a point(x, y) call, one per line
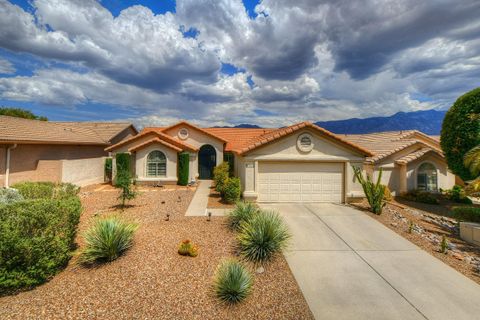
point(349, 266)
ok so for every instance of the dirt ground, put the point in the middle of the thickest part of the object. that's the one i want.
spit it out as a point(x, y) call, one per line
point(464, 257)
point(151, 281)
point(215, 200)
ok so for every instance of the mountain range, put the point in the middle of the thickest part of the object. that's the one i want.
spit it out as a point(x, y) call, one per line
point(428, 121)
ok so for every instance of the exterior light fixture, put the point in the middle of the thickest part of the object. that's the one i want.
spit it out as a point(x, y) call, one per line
point(209, 217)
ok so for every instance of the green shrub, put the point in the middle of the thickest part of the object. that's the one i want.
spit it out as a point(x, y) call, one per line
point(46, 190)
point(243, 211)
point(374, 192)
point(107, 239)
point(187, 248)
point(220, 176)
point(232, 282)
point(36, 238)
point(421, 196)
point(232, 190)
point(387, 194)
point(261, 237)
point(122, 161)
point(108, 169)
point(469, 214)
point(461, 132)
point(457, 194)
point(183, 164)
point(444, 244)
point(8, 196)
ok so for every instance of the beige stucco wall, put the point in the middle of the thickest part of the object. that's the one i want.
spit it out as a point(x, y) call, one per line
point(141, 163)
point(83, 172)
point(197, 139)
point(286, 149)
point(446, 179)
point(37, 162)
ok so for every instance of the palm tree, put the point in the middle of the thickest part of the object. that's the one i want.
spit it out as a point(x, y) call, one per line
point(471, 160)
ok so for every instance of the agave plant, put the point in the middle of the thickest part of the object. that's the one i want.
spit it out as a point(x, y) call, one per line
point(261, 237)
point(374, 192)
point(233, 282)
point(107, 239)
point(243, 211)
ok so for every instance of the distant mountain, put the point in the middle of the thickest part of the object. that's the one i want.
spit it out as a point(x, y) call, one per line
point(429, 122)
point(243, 125)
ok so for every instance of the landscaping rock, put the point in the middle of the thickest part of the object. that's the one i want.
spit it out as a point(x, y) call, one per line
point(457, 256)
point(260, 270)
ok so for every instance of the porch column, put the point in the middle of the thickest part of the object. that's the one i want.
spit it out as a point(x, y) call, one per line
point(250, 193)
point(7, 164)
point(403, 178)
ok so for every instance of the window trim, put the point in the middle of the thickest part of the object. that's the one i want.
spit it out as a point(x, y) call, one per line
point(417, 172)
point(158, 163)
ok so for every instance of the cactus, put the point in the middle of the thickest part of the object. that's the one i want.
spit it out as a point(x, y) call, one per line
point(374, 192)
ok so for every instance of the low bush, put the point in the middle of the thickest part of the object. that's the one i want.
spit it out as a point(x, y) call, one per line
point(232, 190)
point(220, 176)
point(36, 238)
point(46, 190)
point(107, 239)
point(187, 248)
point(232, 282)
point(457, 194)
point(387, 194)
point(374, 192)
point(8, 196)
point(261, 237)
point(124, 182)
point(243, 211)
point(469, 214)
point(421, 196)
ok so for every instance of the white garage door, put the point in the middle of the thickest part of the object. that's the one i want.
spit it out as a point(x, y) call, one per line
point(300, 182)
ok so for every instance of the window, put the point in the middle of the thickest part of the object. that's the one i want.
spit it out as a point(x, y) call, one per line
point(156, 164)
point(427, 177)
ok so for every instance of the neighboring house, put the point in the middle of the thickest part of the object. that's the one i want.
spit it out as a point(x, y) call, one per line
point(299, 163)
point(33, 150)
point(409, 160)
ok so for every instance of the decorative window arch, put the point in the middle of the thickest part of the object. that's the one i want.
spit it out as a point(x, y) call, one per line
point(427, 177)
point(156, 164)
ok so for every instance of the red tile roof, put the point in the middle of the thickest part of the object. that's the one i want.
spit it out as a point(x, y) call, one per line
point(154, 140)
point(159, 134)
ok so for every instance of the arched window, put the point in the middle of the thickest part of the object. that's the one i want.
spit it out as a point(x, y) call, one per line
point(156, 164)
point(427, 177)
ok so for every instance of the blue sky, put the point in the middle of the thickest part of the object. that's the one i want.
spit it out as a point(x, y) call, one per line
point(225, 62)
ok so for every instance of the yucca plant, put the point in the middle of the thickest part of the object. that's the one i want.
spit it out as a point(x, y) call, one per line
point(374, 192)
point(107, 239)
point(262, 236)
point(243, 211)
point(232, 282)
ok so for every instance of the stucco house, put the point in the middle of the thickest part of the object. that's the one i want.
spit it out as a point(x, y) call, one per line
point(33, 150)
point(299, 163)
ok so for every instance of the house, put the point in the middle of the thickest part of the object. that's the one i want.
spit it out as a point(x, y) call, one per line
point(299, 163)
point(33, 150)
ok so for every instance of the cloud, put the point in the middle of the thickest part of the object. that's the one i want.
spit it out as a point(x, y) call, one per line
point(137, 47)
point(296, 60)
point(6, 67)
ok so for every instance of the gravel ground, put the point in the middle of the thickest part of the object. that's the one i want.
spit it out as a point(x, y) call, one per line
point(151, 281)
point(387, 218)
point(215, 200)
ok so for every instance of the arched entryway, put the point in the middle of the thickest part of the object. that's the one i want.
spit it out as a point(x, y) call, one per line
point(207, 160)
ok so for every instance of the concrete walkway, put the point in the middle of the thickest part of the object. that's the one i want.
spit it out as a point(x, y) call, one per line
point(350, 266)
point(199, 203)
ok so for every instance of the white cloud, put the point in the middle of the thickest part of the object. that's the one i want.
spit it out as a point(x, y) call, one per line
point(6, 67)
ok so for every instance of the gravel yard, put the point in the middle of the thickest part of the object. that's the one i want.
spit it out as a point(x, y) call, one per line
point(151, 281)
point(427, 231)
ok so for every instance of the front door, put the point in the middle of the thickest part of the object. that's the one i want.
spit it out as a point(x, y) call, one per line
point(207, 160)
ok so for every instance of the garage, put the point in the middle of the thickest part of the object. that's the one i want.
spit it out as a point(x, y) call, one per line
point(301, 182)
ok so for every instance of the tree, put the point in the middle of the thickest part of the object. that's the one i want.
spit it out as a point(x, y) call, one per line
point(461, 132)
point(124, 182)
point(20, 113)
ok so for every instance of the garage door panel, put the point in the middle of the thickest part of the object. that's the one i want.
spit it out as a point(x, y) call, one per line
point(300, 182)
